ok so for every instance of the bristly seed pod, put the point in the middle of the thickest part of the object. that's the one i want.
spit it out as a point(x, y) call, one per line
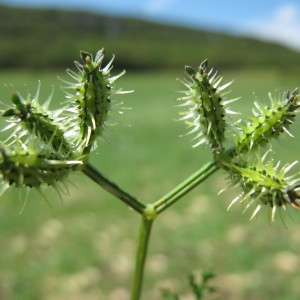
point(26, 168)
point(268, 122)
point(46, 146)
point(264, 184)
point(36, 122)
point(206, 106)
point(93, 88)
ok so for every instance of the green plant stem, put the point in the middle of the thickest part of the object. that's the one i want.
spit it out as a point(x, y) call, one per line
point(112, 188)
point(140, 258)
point(187, 185)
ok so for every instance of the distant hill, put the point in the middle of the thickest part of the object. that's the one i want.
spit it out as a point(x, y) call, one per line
point(49, 38)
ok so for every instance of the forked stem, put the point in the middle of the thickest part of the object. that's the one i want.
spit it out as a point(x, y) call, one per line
point(112, 188)
point(186, 186)
point(149, 212)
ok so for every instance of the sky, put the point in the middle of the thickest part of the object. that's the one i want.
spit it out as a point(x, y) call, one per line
point(273, 20)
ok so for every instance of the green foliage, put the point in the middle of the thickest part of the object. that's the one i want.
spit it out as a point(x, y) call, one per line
point(36, 38)
point(226, 159)
point(199, 288)
point(167, 295)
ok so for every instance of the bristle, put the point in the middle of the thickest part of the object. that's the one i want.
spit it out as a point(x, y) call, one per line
point(91, 96)
point(268, 122)
point(206, 106)
point(263, 183)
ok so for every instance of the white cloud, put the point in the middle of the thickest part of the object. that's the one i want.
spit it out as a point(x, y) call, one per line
point(283, 26)
point(286, 14)
point(155, 6)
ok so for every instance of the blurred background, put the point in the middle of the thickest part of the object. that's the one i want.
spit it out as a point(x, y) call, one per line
point(84, 247)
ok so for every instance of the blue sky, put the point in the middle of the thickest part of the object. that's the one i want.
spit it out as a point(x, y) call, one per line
point(276, 20)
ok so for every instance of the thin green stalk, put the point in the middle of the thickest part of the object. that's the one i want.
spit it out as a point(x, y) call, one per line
point(112, 188)
point(187, 185)
point(140, 258)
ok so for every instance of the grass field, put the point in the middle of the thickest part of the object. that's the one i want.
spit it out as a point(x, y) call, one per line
point(84, 248)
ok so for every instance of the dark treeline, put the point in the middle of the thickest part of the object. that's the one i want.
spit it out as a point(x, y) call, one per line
point(49, 38)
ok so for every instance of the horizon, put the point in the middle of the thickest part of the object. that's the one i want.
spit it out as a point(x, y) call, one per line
point(275, 21)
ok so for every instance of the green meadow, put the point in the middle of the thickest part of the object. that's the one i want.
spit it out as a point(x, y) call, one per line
point(83, 248)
